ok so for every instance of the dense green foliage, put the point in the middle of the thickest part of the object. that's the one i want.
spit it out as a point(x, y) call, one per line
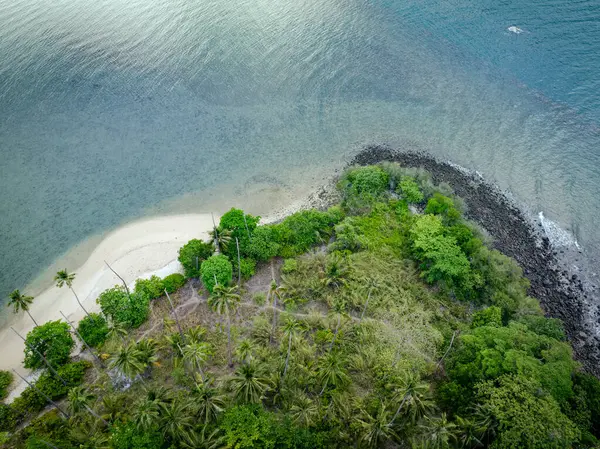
point(128, 310)
point(51, 339)
point(93, 329)
point(191, 256)
point(6, 379)
point(381, 328)
point(173, 282)
point(151, 288)
point(216, 270)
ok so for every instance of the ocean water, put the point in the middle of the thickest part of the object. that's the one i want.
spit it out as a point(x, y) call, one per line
point(111, 109)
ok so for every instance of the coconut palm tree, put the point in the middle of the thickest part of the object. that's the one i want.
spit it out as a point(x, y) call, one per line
point(331, 370)
point(223, 301)
point(438, 432)
point(195, 354)
point(248, 384)
point(339, 310)
point(221, 239)
point(62, 278)
point(375, 429)
point(79, 399)
point(21, 302)
point(146, 414)
point(470, 434)
point(127, 361)
point(147, 352)
point(208, 400)
point(117, 330)
point(304, 411)
point(177, 420)
point(245, 350)
point(291, 328)
point(415, 398)
point(337, 270)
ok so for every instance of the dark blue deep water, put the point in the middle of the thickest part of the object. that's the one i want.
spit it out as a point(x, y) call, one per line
point(115, 109)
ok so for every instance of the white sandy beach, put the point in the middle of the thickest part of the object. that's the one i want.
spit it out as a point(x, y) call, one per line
point(136, 250)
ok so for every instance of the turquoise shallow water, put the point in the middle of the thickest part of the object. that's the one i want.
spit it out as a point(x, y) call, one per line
point(114, 109)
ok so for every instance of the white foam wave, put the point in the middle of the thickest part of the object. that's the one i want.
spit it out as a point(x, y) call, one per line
point(514, 29)
point(557, 235)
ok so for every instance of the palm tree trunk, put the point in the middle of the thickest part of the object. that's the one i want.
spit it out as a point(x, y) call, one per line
point(79, 302)
point(229, 339)
point(398, 411)
point(287, 358)
point(95, 415)
point(323, 389)
point(448, 350)
point(34, 322)
point(41, 393)
point(274, 302)
point(366, 305)
point(122, 280)
point(246, 224)
point(176, 317)
point(237, 244)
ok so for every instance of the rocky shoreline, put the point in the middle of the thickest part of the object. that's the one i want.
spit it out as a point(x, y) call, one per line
point(560, 291)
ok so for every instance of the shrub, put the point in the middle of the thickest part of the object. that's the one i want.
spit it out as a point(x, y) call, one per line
point(248, 427)
point(298, 232)
point(241, 227)
point(6, 379)
point(174, 282)
point(51, 427)
point(126, 436)
point(370, 180)
point(8, 419)
point(263, 244)
point(191, 256)
point(248, 267)
point(490, 316)
point(289, 266)
point(52, 339)
point(550, 327)
point(444, 206)
point(216, 267)
point(153, 288)
point(129, 310)
point(259, 299)
point(442, 259)
point(93, 329)
point(410, 190)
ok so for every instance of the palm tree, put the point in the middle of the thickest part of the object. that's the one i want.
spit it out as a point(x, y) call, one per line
point(146, 414)
point(248, 384)
point(372, 284)
point(245, 351)
point(291, 328)
point(332, 371)
point(117, 330)
point(438, 432)
point(195, 334)
point(113, 407)
point(79, 399)
point(375, 428)
point(339, 310)
point(469, 434)
point(196, 354)
point(209, 402)
point(221, 239)
point(415, 397)
point(223, 301)
point(177, 420)
point(336, 272)
point(63, 278)
point(304, 411)
point(21, 302)
point(147, 349)
point(127, 361)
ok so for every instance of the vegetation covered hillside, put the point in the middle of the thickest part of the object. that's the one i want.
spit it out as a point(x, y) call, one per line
point(385, 321)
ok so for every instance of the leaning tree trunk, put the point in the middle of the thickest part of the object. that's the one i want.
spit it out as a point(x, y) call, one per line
point(366, 305)
point(122, 280)
point(79, 302)
point(83, 341)
point(335, 333)
point(237, 244)
point(34, 349)
point(399, 408)
point(229, 339)
point(95, 415)
point(176, 317)
point(34, 321)
point(41, 393)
